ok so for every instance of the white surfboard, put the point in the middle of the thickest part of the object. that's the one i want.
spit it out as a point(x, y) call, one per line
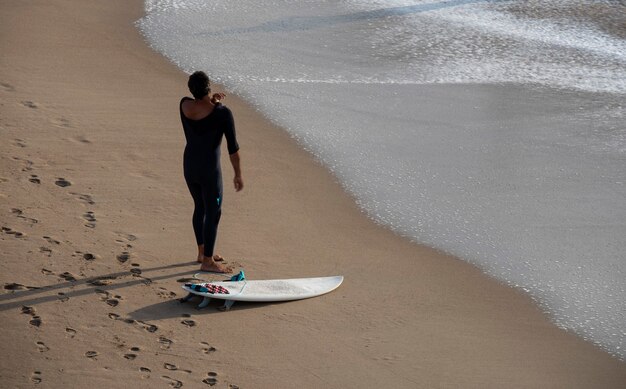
point(262, 290)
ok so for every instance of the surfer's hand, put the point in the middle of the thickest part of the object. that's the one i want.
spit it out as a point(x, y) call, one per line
point(217, 97)
point(238, 181)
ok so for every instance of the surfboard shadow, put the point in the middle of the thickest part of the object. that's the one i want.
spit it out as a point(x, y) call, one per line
point(174, 308)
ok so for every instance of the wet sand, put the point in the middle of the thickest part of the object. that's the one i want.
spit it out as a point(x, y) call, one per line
point(96, 239)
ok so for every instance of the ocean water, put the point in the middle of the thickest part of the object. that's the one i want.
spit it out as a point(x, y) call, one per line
point(517, 166)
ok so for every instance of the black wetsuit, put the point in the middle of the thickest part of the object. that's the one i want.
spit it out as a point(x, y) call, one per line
point(201, 165)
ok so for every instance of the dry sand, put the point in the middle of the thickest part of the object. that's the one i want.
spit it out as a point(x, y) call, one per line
point(96, 236)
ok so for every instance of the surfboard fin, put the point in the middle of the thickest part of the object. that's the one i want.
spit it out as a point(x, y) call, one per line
point(227, 305)
point(238, 277)
point(187, 298)
point(205, 302)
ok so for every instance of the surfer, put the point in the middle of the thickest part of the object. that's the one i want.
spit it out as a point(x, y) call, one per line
point(205, 121)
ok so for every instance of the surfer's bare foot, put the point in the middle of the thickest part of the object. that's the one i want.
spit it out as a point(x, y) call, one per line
point(209, 264)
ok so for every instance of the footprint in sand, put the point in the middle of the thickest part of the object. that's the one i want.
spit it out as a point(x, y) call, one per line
point(135, 271)
point(34, 179)
point(91, 354)
point(10, 231)
point(106, 297)
point(170, 366)
point(28, 167)
point(123, 257)
point(101, 281)
point(165, 342)
point(152, 328)
point(15, 286)
point(45, 250)
point(166, 294)
point(28, 310)
point(84, 197)
point(19, 143)
point(207, 348)
point(41, 346)
point(89, 257)
point(173, 383)
point(146, 371)
point(7, 87)
point(70, 332)
point(29, 164)
point(46, 272)
point(188, 323)
point(130, 357)
point(62, 182)
point(20, 214)
point(36, 377)
point(81, 139)
point(67, 276)
point(90, 217)
point(124, 237)
point(29, 104)
point(212, 379)
point(61, 122)
point(62, 297)
point(146, 326)
point(35, 321)
point(51, 241)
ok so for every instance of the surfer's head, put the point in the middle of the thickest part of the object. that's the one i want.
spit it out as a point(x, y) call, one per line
point(199, 84)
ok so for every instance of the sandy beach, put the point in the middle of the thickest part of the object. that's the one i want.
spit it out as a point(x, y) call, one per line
point(96, 239)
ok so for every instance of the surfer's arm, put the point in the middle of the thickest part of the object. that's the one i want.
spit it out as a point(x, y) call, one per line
point(235, 161)
point(233, 147)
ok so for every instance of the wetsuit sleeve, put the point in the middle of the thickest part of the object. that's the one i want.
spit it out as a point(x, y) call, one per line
point(229, 132)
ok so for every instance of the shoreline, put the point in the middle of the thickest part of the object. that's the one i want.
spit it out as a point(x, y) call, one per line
point(65, 123)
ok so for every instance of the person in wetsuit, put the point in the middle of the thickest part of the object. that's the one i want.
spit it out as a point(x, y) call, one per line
point(205, 122)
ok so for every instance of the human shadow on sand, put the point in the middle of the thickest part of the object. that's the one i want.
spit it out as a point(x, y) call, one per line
point(27, 297)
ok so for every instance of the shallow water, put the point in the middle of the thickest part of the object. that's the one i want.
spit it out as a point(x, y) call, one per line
point(518, 164)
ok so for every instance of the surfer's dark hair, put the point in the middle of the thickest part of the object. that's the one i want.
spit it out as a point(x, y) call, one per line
point(199, 84)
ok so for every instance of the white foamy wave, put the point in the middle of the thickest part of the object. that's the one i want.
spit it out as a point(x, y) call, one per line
point(545, 32)
point(156, 6)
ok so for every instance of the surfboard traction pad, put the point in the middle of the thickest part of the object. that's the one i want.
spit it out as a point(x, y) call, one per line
point(207, 287)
